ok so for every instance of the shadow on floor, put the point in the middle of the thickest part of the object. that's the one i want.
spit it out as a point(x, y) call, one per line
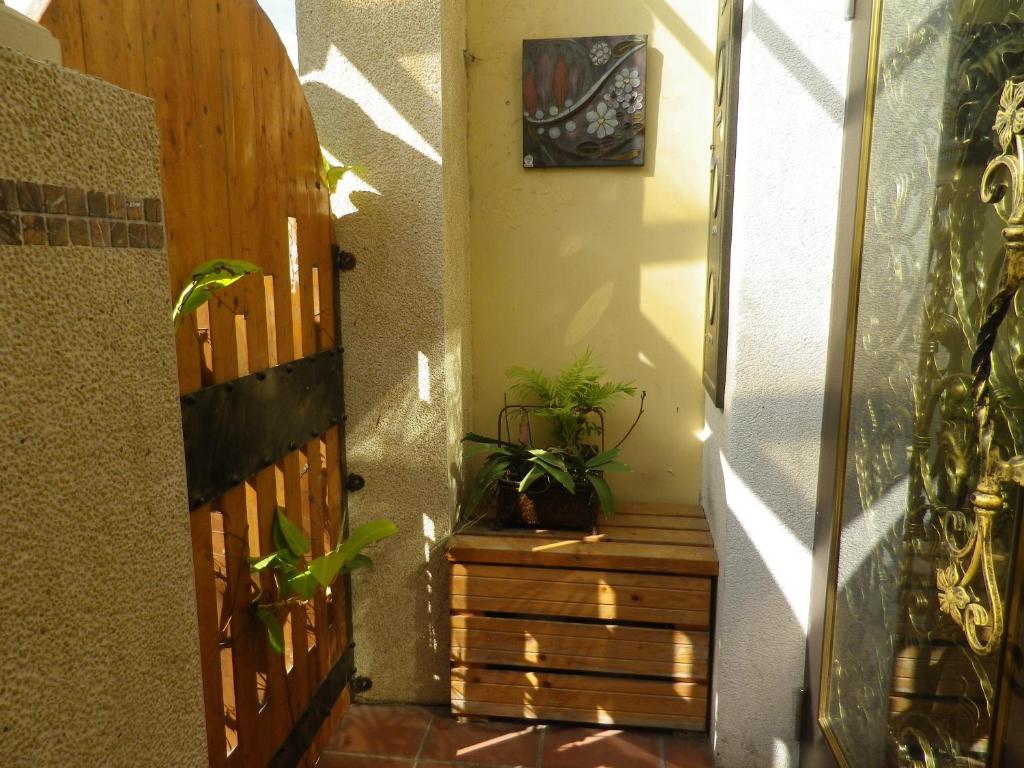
point(420, 737)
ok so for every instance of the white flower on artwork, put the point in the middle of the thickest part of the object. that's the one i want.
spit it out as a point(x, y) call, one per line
point(627, 80)
point(602, 120)
point(635, 102)
point(600, 53)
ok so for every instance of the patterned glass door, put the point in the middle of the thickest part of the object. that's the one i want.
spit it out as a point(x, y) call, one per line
point(921, 618)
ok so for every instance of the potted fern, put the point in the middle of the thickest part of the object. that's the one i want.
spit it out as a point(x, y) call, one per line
point(562, 484)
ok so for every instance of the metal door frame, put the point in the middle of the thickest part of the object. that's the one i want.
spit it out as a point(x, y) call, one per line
point(815, 751)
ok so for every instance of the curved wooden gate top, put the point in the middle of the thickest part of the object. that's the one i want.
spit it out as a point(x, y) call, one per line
point(240, 168)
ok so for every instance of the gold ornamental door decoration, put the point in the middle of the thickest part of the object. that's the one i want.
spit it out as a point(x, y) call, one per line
point(968, 588)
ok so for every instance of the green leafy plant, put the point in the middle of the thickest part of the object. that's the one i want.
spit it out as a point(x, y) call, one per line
point(205, 280)
point(518, 461)
point(296, 581)
point(571, 399)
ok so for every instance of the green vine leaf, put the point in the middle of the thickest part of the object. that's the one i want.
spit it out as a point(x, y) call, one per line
point(297, 584)
point(292, 536)
point(205, 280)
point(330, 175)
point(365, 535)
point(304, 584)
point(275, 633)
point(256, 564)
point(325, 569)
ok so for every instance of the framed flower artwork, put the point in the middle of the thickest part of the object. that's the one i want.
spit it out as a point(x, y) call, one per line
point(584, 101)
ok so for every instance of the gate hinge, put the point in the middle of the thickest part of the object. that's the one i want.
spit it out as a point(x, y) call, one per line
point(343, 260)
point(851, 9)
point(361, 684)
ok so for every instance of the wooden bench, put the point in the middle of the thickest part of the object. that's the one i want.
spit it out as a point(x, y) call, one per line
point(613, 628)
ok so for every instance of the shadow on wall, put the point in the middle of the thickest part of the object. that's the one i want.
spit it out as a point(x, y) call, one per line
point(763, 599)
point(371, 72)
point(762, 454)
point(562, 260)
point(607, 258)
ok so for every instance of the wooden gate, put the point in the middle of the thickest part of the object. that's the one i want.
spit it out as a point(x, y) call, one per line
point(240, 163)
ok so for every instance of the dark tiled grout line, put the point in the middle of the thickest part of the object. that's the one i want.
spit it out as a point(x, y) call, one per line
point(423, 741)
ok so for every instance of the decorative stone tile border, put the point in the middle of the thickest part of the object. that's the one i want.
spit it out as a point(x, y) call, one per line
point(46, 214)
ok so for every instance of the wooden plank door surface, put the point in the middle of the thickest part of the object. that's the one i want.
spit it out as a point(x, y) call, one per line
point(241, 179)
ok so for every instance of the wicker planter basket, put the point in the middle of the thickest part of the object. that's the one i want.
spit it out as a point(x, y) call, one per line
point(546, 507)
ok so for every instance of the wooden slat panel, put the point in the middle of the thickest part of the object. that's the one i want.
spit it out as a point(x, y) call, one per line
point(565, 576)
point(696, 641)
point(565, 645)
point(514, 595)
point(697, 670)
point(475, 604)
point(579, 698)
point(123, 65)
point(209, 639)
point(561, 638)
point(208, 203)
point(562, 698)
point(301, 195)
point(550, 689)
point(64, 20)
point(239, 155)
point(700, 538)
point(572, 553)
point(654, 521)
point(595, 593)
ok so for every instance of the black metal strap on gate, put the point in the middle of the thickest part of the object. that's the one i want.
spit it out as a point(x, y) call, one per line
point(320, 706)
point(235, 429)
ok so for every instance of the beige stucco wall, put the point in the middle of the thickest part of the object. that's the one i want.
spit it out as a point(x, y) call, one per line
point(373, 72)
point(609, 258)
point(100, 661)
point(456, 181)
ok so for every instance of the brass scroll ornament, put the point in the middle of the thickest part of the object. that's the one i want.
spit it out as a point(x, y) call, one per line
point(1002, 185)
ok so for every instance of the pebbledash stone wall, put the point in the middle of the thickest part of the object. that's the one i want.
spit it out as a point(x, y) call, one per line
point(100, 662)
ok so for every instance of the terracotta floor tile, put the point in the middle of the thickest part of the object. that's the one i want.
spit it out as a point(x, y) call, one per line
point(511, 746)
point(381, 730)
point(595, 748)
point(688, 752)
point(328, 760)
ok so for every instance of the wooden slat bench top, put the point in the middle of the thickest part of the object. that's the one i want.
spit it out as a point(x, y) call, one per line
point(650, 538)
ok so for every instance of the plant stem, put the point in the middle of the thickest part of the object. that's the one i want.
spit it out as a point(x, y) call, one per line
point(643, 396)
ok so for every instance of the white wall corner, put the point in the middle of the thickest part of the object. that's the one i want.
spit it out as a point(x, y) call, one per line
point(376, 74)
point(761, 458)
